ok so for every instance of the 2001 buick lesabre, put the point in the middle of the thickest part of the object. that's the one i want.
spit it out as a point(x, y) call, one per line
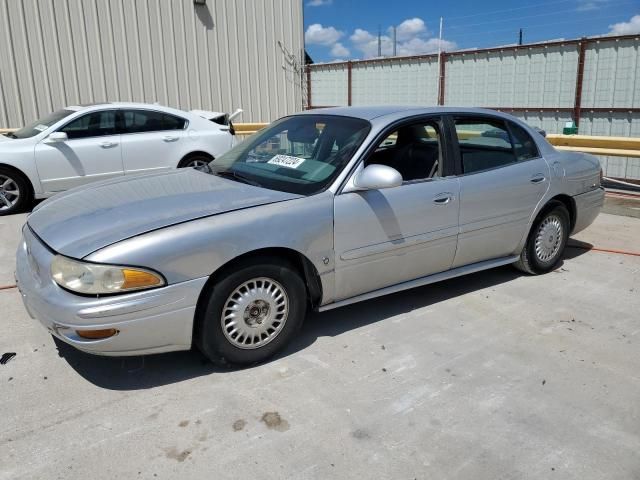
point(320, 209)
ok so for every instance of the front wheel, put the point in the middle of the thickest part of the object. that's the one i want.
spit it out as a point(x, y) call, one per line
point(546, 242)
point(252, 312)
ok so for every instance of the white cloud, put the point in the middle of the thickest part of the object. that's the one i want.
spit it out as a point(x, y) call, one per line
point(418, 46)
point(626, 28)
point(589, 5)
point(410, 28)
point(361, 36)
point(316, 34)
point(412, 39)
point(340, 51)
point(319, 3)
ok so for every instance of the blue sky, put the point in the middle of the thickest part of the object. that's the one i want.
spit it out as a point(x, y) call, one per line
point(348, 29)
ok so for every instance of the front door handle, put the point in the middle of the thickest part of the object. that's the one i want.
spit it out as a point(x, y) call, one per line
point(537, 178)
point(169, 138)
point(443, 198)
point(108, 144)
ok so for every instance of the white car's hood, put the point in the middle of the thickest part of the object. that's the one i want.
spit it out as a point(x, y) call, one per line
point(83, 220)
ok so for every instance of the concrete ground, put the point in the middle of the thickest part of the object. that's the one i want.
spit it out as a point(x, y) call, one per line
point(492, 376)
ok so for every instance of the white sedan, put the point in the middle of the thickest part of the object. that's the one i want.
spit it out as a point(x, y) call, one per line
point(82, 144)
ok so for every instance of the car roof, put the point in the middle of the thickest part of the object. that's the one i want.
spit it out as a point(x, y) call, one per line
point(375, 112)
point(100, 105)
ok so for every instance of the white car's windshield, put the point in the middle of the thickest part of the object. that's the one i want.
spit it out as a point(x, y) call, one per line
point(299, 154)
point(41, 124)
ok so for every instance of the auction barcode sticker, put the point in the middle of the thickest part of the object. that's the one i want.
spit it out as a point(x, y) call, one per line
point(286, 161)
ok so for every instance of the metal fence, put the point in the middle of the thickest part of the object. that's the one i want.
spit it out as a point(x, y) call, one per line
point(594, 82)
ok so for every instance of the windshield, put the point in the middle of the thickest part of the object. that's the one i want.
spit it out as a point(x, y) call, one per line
point(300, 154)
point(41, 124)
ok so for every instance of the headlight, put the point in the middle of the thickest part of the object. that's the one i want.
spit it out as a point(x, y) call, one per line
point(96, 279)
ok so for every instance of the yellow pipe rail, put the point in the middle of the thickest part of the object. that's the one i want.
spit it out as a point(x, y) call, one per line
point(596, 145)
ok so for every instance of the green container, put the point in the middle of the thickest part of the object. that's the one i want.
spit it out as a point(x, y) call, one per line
point(570, 131)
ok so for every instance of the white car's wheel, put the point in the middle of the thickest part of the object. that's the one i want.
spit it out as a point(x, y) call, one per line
point(197, 161)
point(15, 193)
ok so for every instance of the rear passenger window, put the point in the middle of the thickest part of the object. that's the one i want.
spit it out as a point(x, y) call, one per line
point(523, 144)
point(138, 121)
point(484, 144)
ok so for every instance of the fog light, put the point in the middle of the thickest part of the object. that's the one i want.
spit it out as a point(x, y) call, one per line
point(97, 334)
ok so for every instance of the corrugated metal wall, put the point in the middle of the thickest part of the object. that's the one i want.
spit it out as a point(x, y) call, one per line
point(329, 85)
point(405, 82)
point(541, 77)
point(534, 82)
point(217, 56)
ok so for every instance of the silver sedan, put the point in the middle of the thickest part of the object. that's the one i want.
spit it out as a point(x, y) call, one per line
point(318, 210)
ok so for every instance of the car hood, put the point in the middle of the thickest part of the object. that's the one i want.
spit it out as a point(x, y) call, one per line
point(83, 220)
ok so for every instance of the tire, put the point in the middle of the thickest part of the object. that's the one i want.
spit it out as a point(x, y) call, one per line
point(546, 242)
point(199, 161)
point(15, 192)
point(270, 297)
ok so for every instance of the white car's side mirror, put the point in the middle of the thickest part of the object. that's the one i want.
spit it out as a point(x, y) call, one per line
point(377, 177)
point(57, 137)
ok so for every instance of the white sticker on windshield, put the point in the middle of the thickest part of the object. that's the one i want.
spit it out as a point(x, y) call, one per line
point(286, 161)
point(41, 128)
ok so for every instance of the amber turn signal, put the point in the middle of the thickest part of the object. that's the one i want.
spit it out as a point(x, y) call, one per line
point(97, 334)
point(134, 279)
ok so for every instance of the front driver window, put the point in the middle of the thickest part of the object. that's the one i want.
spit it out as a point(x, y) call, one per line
point(95, 124)
point(413, 150)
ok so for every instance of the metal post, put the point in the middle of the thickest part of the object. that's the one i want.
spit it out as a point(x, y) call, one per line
point(577, 105)
point(379, 41)
point(442, 59)
point(349, 83)
point(308, 87)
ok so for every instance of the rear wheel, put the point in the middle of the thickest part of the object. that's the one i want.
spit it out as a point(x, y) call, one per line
point(546, 242)
point(197, 160)
point(15, 193)
point(252, 312)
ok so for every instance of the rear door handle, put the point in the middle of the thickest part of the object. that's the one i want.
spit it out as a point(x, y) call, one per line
point(537, 178)
point(108, 144)
point(443, 198)
point(170, 138)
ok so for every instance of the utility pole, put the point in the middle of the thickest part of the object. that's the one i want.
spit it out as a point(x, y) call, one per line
point(395, 43)
point(379, 41)
point(520, 38)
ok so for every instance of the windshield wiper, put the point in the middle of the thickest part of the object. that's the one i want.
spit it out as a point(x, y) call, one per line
point(10, 135)
point(233, 175)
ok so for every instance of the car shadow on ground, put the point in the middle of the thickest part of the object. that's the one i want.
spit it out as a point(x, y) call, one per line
point(141, 372)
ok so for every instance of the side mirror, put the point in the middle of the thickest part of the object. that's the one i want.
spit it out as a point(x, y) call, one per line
point(540, 131)
point(56, 137)
point(377, 177)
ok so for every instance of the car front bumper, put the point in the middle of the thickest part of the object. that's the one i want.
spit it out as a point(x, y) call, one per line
point(152, 321)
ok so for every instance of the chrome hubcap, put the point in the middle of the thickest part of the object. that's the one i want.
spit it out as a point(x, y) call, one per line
point(548, 238)
point(199, 165)
point(9, 193)
point(255, 313)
